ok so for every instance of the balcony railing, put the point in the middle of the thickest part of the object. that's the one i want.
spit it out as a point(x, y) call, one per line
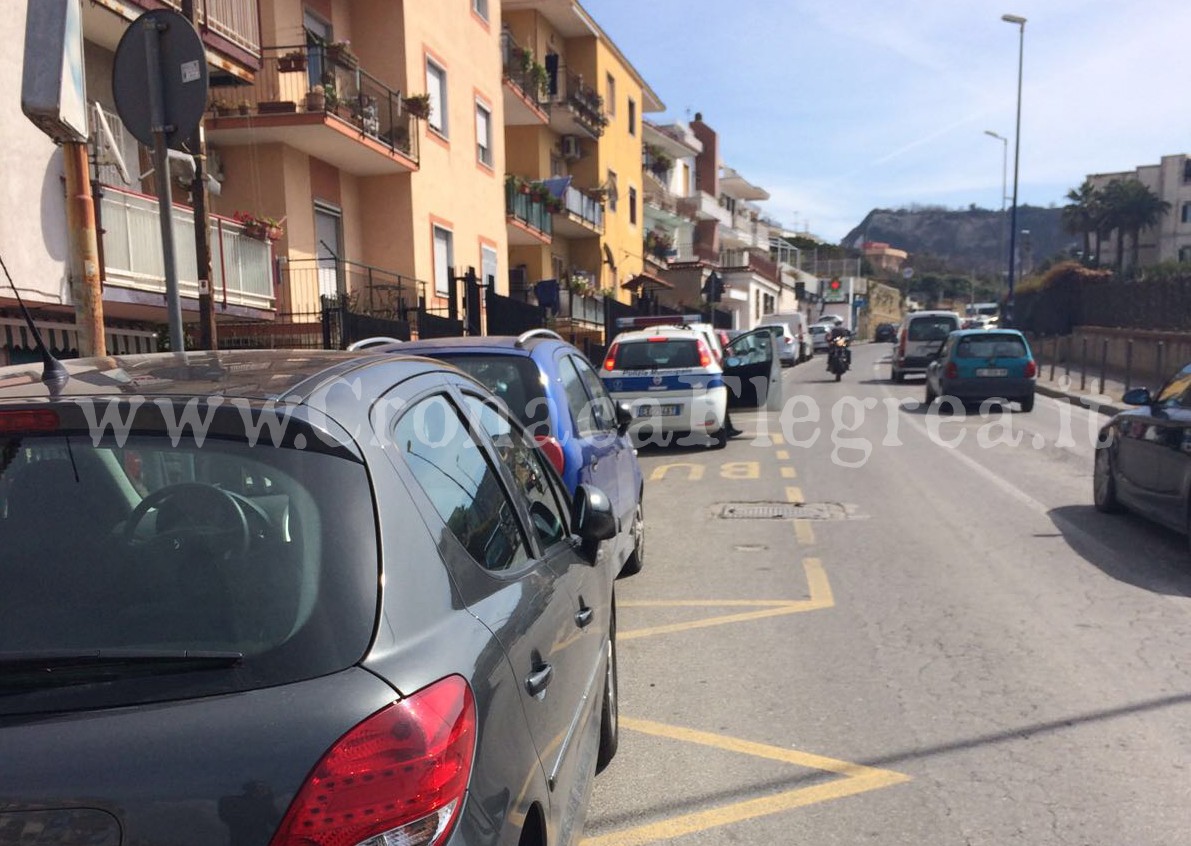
point(235, 20)
point(321, 79)
point(528, 210)
point(520, 69)
point(750, 261)
point(583, 101)
point(370, 290)
point(240, 265)
point(587, 209)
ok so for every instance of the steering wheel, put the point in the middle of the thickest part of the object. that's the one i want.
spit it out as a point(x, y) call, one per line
point(222, 525)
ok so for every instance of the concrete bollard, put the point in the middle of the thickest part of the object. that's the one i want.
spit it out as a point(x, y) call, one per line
point(1067, 360)
point(1054, 356)
point(1103, 363)
point(1161, 380)
point(1128, 363)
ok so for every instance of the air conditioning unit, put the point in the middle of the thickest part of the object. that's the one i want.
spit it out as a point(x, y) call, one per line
point(571, 148)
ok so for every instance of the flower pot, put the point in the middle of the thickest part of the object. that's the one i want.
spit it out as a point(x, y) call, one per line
point(341, 56)
point(289, 64)
point(316, 102)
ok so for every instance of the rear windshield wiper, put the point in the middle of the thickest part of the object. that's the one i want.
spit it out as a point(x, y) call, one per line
point(55, 668)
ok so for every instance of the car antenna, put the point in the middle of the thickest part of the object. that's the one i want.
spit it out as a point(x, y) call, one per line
point(53, 372)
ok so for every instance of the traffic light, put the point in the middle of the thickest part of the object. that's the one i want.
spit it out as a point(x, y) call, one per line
point(835, 286)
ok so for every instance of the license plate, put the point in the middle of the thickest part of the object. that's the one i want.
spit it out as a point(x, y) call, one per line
point(658, 410)
point(992, 371)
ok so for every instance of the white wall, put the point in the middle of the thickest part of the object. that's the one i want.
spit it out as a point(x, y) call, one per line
point(32, 194)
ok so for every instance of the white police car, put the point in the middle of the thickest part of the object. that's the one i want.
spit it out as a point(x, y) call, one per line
point(676, 383)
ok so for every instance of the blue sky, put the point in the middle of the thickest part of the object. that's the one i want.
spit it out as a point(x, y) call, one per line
point(837, 107)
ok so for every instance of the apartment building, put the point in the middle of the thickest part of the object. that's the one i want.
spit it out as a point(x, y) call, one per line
point(731, 237)
point(574, 135)
point(1170, 240)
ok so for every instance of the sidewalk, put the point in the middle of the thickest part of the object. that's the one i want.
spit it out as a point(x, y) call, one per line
point(1067, 382)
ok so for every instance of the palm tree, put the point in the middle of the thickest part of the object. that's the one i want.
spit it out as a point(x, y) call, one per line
point(1134, 207)
point(1080, 217)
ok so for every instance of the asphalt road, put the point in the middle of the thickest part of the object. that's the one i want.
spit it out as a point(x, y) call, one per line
point(941, 645)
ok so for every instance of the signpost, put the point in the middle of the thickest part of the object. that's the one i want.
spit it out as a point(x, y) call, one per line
point(160, 86)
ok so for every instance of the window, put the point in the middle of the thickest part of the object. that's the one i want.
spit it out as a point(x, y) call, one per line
point(633, 206)
point(613, 194)
point(601, 404)
point(436, 88)
point(483, 134)
point(1185, 254)
point(444, 259)
point(524, 464)
point(480, 7)
point(489, 266)
point(464, 489)
point(1186, 213)
point(579, 403)
point(632, 117)
point(610, 94)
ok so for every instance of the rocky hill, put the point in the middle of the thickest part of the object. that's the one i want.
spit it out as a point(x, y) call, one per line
point(967, 240)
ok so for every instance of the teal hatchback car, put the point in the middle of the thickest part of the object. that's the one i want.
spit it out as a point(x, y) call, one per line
point(974, 365)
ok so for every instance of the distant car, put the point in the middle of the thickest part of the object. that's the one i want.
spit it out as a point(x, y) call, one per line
point(1143, 462)
point(819, 333)
point(795, 346)
point(886, 333)
point(977, 364)
point(342, 602)
point(557, 395)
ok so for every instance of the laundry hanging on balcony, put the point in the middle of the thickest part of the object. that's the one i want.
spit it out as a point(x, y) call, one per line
point(558, 186)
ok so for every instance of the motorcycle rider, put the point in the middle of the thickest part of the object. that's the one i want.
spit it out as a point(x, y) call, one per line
point(840, 338)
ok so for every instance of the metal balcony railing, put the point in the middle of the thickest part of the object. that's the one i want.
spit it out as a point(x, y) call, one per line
point(586, 208)
point(240, 265)
point(236, 20)
point(520, 68)
point(323, 79)
point(584, 102)
point(529, 211)
point(369, 290)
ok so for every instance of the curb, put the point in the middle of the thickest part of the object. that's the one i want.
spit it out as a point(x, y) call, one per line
point(1087, 400)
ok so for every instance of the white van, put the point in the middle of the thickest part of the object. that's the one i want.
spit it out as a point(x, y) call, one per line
point(794, 346)
point(919, 339)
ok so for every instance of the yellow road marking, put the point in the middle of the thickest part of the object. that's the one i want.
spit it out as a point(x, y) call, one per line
point(794, 494)
point(783, 455)
point(789, 473)
point(856, 778)
point(778, 440)
point(818, 586)
point(740, 470)
point(694, 471)
point(804, 532)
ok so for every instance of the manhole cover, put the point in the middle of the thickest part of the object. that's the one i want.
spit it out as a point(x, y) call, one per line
point(784, 511)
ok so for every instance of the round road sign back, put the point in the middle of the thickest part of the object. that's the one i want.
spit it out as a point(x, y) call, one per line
point(183, 77)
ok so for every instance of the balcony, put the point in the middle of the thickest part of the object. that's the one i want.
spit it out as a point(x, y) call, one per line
point(318, 99)
point(525, 82)
point(240, 265)
point(582, 217)
point(579, 109)
point(746, 261)
point(703, 206)
point(369, 290)
point(529, 219)
point(229, 28)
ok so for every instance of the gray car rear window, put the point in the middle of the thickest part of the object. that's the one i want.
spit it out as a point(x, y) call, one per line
point(653, 355)
point(149, 546)
point(991, 345)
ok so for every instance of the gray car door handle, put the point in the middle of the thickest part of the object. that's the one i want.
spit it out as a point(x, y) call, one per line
point(584, 617)
point(538, 680)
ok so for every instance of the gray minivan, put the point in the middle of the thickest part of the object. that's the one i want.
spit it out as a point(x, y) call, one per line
point(919, 340)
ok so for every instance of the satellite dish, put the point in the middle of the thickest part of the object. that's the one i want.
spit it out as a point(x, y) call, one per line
point(107, 151)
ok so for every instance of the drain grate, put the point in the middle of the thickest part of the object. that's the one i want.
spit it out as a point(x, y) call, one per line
point(784, 511)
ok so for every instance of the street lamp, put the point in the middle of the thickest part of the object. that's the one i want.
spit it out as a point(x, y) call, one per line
point(1004, 180)
point(1021, 44)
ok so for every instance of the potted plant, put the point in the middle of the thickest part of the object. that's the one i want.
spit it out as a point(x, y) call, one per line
point(220, 106)
point(316, 99)
point(261, 228)
point(295, 60)
point(539, 78)
point(417, 105)
point(340, 52)
point(245, 107)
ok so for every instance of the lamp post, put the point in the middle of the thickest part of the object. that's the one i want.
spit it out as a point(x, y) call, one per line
point(1007, 319)
point(1004, 186)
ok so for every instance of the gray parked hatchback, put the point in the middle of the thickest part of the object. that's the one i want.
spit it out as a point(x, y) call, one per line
point(282, 598)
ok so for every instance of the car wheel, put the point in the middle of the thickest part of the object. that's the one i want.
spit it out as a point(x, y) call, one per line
point(1027, 403)
point(1104, 484)
point(632, 564)
point(610, 712)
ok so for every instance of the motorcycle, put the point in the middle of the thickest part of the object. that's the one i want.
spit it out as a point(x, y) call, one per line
point(838, 357)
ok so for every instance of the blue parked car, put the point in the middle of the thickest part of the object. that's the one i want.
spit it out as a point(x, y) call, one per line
point(554, 391)
point(973, 365)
